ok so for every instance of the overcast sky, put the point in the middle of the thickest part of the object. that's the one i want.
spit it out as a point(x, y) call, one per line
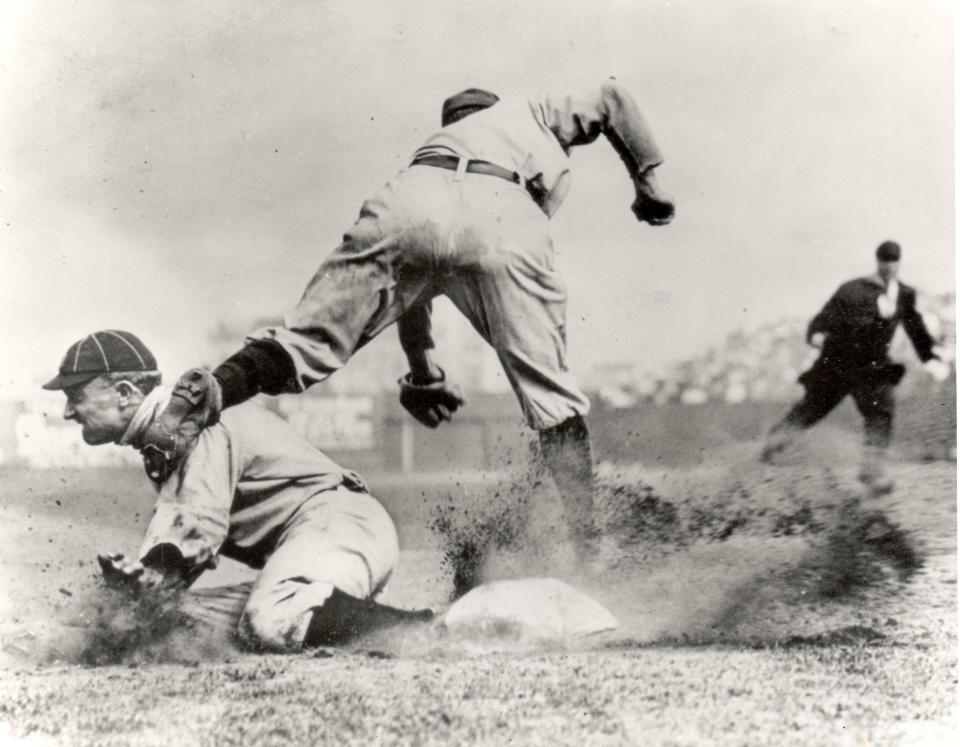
point(165, 165)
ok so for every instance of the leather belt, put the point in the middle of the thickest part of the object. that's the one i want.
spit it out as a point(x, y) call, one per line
point(461, 165)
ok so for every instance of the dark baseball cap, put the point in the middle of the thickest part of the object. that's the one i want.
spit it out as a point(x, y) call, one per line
point(466, 102)
point(888, 251)
point(102, 352)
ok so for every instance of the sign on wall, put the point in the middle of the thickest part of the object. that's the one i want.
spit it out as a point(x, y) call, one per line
point(341, 422)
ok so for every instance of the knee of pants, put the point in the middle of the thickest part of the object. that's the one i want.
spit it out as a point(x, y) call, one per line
point(280, 624)
point(547, 399)
point(258, 632)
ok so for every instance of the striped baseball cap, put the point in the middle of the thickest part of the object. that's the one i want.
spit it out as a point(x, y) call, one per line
point(102, 352)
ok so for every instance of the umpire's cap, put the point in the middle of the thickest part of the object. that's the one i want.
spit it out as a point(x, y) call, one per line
point(466, 102)
point(102, 352)
point(888, 251)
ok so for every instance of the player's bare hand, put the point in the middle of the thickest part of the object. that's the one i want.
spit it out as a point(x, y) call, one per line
point(817, 339)
point(651, 205)
point(431, 403)
point(938, 370)
point(121, 572)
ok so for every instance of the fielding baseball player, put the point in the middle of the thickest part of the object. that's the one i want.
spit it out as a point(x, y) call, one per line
point(853, 332)
point(253, 490)
point(468, 219)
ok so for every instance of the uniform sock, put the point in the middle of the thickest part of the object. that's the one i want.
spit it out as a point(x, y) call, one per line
point(569, 456)
point(343, 618)
point(260, 366)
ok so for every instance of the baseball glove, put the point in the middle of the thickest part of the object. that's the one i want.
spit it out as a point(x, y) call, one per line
point(195, 403)
point(431, 403)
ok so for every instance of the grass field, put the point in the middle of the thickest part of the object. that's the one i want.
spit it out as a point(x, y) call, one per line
point(754, 609)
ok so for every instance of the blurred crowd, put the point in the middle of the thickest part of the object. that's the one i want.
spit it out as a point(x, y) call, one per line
point(760, 365)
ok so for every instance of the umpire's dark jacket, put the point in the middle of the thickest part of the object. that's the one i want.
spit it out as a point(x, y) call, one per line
point(858, 337)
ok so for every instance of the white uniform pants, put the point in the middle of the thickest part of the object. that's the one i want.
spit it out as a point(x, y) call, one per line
point(338, 539)
point(478, 239)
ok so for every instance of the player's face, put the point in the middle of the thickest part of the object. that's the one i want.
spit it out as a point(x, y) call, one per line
point(887, 270)
point(96, 406)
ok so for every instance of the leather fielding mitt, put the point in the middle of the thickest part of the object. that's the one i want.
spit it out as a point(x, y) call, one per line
point(432, 403)
point(195, 404)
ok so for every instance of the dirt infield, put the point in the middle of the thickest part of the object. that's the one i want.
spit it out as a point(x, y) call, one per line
point(758, 605)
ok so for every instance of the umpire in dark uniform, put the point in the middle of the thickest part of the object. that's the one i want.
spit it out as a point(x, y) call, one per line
point(854, 331)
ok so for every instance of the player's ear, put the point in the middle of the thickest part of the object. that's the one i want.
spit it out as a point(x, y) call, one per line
point(126, 391)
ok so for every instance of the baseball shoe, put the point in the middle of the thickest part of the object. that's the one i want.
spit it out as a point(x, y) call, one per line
point(344, 618)
point(195, 403)
point(892, 543)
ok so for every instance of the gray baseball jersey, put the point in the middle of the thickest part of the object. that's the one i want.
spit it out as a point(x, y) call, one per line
point(255, 491)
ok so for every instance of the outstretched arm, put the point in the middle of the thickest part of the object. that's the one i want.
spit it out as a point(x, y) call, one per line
point(578, 119)
point(163, 569)
point(424, 392)
point(190, 521)
point(826, 321)
point(916, 330)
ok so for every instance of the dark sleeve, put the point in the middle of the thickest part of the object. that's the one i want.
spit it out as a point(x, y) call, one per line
point(830, 318)
point(259, 366)
point(414, 329)
point(915, 328)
